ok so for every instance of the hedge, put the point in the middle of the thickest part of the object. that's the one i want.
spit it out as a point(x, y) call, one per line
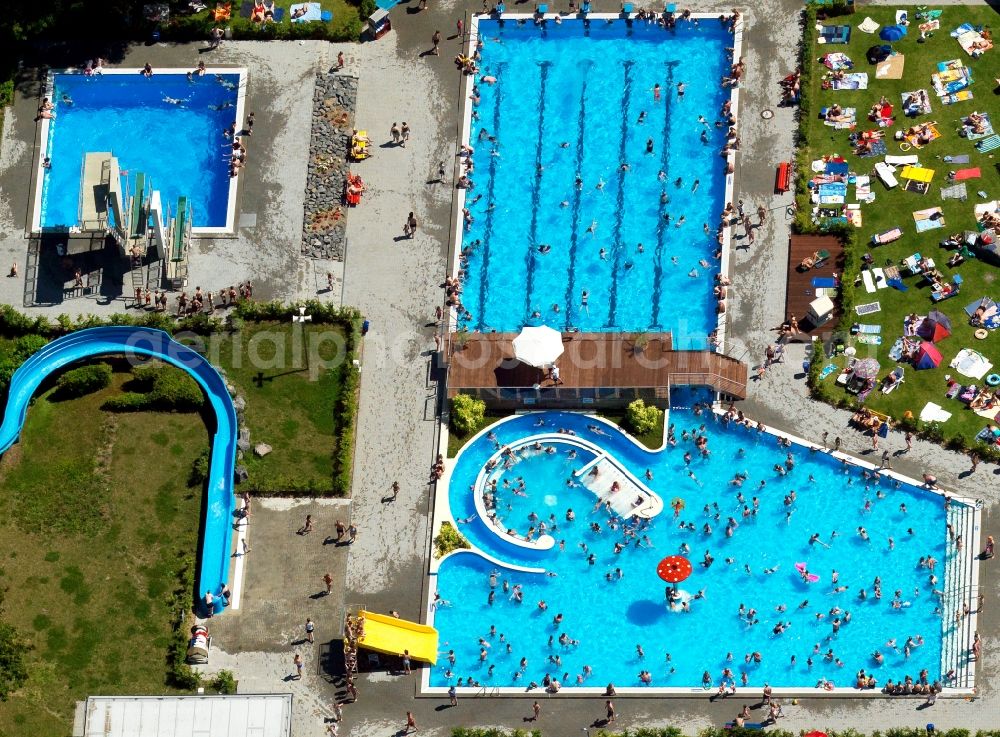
point(199, 28)
point(449, 539)
point(159, 387)
point(179, 673)
point(83, 380)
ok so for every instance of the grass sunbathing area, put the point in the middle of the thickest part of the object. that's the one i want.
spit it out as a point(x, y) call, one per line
point(341, 20)
point(96, 524)
point(291, 400)
point(906, 201)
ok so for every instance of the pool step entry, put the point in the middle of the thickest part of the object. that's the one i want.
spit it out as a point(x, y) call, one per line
point(632, 497)
point(960, 589)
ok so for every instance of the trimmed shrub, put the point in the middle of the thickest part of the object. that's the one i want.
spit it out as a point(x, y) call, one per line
point(345, 415)
point(224, 682)
point(642, 417)
point(6, 92)
point(448, 539)
point(199, 469)
point(160, 387)
point(84, 380)
point(467, 413)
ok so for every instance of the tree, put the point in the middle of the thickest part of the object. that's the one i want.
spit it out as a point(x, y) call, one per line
point(13, 668)
point(467, 413)
point(642, 418)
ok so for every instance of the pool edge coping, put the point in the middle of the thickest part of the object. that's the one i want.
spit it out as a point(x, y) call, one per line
point(439, 515)
point(34, 228)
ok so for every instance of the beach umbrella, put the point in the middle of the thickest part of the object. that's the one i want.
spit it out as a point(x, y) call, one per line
point(892, 33)
point(928, 357)
point(866, 368)
point(538, 346)
point(876, 54)
point(674, 568)
point(815, 733)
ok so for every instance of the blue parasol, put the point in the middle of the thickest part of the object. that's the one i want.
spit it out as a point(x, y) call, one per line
point(892, 33)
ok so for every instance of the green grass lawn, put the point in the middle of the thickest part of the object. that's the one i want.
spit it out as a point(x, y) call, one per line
point(95, 521)
point(895, 207)
point(291, 400)
point(345, 15)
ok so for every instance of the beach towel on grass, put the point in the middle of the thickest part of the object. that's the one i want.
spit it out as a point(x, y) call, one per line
point(891, 68)
point(314, 11)
point(896, 352)
point(934, 413)
point(848, 119)
point(925, 220)
point(867, 329)
point(916, 102)
point(863, 188)
point(963, 174)
point(974, 44)
point(827, 370)
point(869, 339)
point(971, 363)
point(868, 309)
point(832, 194)
point(852, 81)
point(878, 148)
point(837, 60)
point(960, 159)
point(954, 192)
point(960, 96)
point(988, 144)
point(964, 28)
point(969, 132)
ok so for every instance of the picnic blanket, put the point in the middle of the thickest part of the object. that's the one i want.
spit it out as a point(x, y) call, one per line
point(848, 119)
point(916, 102)
point(869, 339)
point(314, 11)
point(974, 44)
point(969, 132)
point(983, 208)
point(836, 60)
point(891, 68)
point(934, 413)
point(986, 303)
point(853, 215)
point(896, 351)
point(877, 148)
point(951, 77)
point(832, 194)
point(925, 219)
point(971, 363)
point(988, 144)
point(867, 309)
point(851, 81)
point(955, 192)
point(964, 28)
point(931, 130)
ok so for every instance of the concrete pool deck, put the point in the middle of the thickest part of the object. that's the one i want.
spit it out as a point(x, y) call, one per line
point(396, 286)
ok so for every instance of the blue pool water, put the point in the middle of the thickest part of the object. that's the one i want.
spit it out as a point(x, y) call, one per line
point(180, 146)
point(567, 101)
point(610, 618)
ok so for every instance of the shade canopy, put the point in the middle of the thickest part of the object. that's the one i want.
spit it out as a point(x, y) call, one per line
point(538, 346)
point(892, 33)
point(936, 326)
point(674, 568)
point(928, 357)
point(866, 368)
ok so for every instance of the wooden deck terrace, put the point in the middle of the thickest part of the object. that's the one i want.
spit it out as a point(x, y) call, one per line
point(594, 367)
point(801, 292)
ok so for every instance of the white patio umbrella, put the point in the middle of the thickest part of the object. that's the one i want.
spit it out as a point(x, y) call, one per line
point(538, 346)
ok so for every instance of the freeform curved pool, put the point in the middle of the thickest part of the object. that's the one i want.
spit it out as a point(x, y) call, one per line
point(749, 509)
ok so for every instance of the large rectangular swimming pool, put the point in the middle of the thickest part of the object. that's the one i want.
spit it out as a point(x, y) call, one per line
point(593, 172)
point(168, 126)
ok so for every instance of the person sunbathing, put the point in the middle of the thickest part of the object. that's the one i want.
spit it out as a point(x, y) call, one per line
point(976, 122)
point(300, 11)
point(835, 113)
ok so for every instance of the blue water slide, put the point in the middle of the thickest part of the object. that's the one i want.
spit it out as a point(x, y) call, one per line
point(115, 340)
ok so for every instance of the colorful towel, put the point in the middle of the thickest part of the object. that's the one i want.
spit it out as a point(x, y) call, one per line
point(925, 219)
point(314, 11)
point(988, 144)
point(896, 352)
point(867, 329)
point(836, 60)
point(877, 149)
point(827, 370)
point(969, 132)
point(916, 102)
point(869, 339)
point(852, 81)
point(960, 96)
point(963, 174)
point(868, 309)
point(847, 120)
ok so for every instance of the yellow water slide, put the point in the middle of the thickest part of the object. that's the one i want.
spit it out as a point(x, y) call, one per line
point(391, 635)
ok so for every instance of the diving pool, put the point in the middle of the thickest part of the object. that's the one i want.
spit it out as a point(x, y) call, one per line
point(614, 602)
point(167, 126)
point(596, 182)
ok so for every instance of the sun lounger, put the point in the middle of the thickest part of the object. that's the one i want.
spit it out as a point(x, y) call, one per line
point(893, 380)
point(948, 291)
point(916, 178)
point(824, 282)
point(902, 160)
point(955, 192)
point(928, 219)
point(988, 144)
point(851, 81)
point(886, 174)
point(888, 236)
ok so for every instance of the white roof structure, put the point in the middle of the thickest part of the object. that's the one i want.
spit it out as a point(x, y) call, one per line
point(250, 715)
